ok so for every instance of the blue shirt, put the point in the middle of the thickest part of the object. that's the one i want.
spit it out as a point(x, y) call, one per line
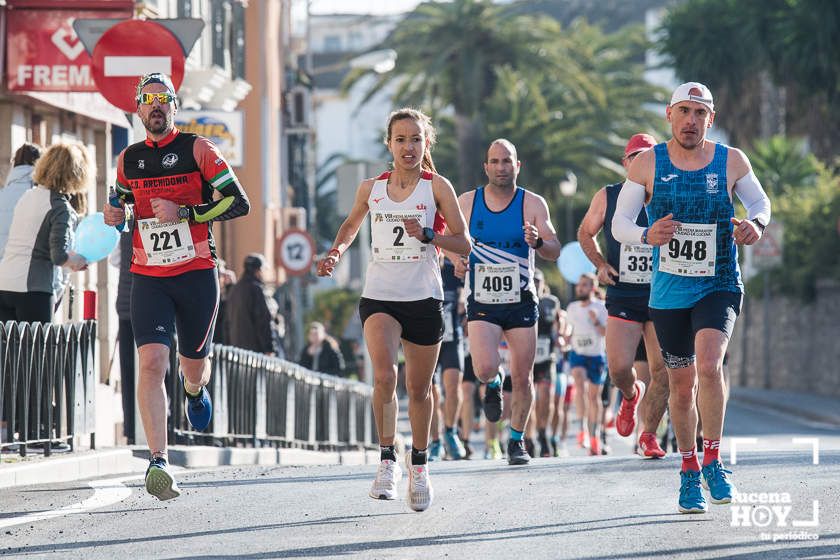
point(693, 197)
point(498, 238)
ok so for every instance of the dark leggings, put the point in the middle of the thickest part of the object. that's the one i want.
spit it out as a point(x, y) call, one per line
point(32, 307)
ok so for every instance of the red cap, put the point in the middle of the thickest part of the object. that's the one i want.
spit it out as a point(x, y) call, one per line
point(639, 143)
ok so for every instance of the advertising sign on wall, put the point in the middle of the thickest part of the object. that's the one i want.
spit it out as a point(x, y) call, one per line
point(222, 128)
point(43, 52)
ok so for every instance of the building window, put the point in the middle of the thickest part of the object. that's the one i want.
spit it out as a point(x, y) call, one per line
point(332, 43)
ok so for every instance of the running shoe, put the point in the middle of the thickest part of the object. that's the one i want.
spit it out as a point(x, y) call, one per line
point(594, 446)
point(517, 454)
point(545, 449)
point(649, 447)
point(420, 492)
point(454, 447)
point(529, 446)
point(691, 496)
point(716, 481)
point(385, 484)
point(493, 401)
point(435, 451)
point(199, 408)
point(581, 439)
point(159, 481)
point(625, 423)
point(494, 450)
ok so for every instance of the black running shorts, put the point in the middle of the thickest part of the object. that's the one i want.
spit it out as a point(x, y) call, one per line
point(421, 321)
point(451, 356)
point(633, 309)
point(186, 304)
point(676, 328)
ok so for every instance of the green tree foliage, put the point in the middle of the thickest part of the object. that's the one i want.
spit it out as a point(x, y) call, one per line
point(743, 49)
point(811, 217)
point(783, 165)
point(568, 98)
point(805, 197)
point(334, 308)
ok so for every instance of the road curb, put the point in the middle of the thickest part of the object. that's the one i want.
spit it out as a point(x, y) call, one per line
point(69, 468)
point(196, 456)
point(781, 406)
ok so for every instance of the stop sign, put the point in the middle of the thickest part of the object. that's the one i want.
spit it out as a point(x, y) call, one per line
point(130, 50)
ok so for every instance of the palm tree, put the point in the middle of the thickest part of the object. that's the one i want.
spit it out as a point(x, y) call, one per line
point(451, 56)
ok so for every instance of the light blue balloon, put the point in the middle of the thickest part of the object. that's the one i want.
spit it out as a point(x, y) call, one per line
point(95, 240)
point(573, 262)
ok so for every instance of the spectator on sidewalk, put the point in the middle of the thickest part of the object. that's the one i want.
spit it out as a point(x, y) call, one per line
point(227, 279)
point(18, 182)
point(248, 314)
point(40, 240)
point(322, 353)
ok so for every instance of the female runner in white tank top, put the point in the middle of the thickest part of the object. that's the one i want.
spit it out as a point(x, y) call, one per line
point(402, 300)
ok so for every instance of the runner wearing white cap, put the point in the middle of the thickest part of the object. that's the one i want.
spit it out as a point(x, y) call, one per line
point(687, 185)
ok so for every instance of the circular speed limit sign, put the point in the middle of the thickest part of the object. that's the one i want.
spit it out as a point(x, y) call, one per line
point(297, 250)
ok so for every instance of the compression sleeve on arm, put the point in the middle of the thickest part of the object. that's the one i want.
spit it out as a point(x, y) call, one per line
point(630, 202)
point(753, 197)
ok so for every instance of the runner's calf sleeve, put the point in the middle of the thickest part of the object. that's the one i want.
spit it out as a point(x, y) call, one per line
point(630, 202)
point(753, 197)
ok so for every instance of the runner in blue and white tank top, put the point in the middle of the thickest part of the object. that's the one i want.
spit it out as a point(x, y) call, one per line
point(696, 289)
point(626, 271)
point(410, 208)
point(507, 224)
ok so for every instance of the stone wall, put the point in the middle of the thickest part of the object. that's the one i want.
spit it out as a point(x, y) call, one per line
point(802, 349)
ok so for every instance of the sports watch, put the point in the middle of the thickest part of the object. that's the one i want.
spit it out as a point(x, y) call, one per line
point(184, 212)
point(428, 234)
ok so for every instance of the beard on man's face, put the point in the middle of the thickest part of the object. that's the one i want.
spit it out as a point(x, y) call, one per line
point(157, 121)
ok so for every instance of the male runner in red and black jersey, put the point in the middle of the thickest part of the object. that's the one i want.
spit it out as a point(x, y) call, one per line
point(170, 179)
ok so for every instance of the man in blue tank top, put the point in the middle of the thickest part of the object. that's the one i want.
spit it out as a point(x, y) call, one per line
point(509, 224)
point(696, 290)
point(626, 271)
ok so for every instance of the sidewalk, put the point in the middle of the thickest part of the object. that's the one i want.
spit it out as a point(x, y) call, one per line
point(807, 406)
point(37, 469)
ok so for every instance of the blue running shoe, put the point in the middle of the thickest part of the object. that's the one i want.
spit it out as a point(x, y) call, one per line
point(436, 451)
point(691, 496)
point(453, 445)
point(717, 483)
point(199, 409)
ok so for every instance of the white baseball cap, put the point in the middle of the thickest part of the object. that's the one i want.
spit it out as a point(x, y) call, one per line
point(693, 91)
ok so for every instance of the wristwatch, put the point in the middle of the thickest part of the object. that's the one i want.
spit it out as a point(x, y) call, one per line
point(758, 223)
point(428, 234)
point(184, 212)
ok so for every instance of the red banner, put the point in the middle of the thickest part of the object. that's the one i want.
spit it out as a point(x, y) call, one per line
point(43, 52)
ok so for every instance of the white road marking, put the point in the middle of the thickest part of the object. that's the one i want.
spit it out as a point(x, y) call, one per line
point(106, 491)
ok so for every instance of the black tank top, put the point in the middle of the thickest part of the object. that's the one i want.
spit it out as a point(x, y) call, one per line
point(621, 289)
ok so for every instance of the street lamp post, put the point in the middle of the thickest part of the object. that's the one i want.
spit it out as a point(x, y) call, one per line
point(568, 188)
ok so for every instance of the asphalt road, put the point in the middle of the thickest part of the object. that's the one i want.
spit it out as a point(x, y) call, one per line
point(577, 507)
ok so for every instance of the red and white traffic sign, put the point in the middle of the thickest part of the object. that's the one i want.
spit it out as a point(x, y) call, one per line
point(297, 251)
point(767, 251)
point(129, 50)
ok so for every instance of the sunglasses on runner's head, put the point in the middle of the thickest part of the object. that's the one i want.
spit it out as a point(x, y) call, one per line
point(163, 97)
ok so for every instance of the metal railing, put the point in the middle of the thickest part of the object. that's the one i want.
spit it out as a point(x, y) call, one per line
point(263, 401)
point(47, 384)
